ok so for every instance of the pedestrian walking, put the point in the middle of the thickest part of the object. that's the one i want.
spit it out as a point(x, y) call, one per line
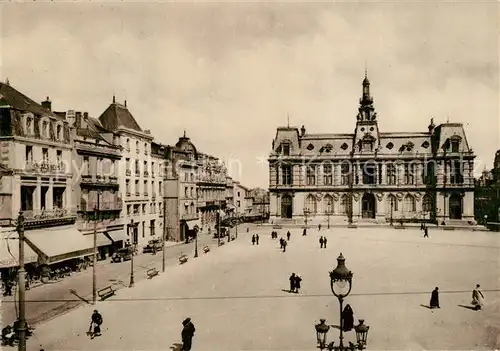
point(292, 283)
point(422, 226)
point(284, 245)
point(319, 227)
point(320, 242)
point(347, 318)
point(253, 239)
point(477, 298)
point(304, 232)
point(288, 235)
point(95, 323)
point(281, 243)
point(324, 242)
point(298, 280)
point(426, 232)
point(187, 334)
point(257, 239)
point(435, 298)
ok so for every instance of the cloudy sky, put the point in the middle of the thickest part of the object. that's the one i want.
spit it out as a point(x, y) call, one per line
point(229, 73)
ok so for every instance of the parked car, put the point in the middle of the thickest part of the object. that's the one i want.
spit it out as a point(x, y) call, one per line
point(123, 254)
point(153, 245)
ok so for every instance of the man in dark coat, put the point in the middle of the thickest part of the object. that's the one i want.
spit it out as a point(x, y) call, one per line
point(288, 235)
point(426, 232)
point(304, 232)
point(284, 245)
point(187, 334)
point(320, 242)
point(253, 239)
point(292, 283)
point(435, 298)
point(281, 243)
point(324, 242)
point(347, 318)
point(95, 321)
point(298, 280)
point(257, 239)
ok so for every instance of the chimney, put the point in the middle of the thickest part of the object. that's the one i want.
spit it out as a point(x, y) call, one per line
point(78, 120)
point(125, 103)
point(85, 115)
point(114, 99)
point(47, 104)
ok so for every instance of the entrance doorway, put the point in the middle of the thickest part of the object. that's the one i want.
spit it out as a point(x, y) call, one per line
point(286, 206)
point(368, 206)
point(455, 207)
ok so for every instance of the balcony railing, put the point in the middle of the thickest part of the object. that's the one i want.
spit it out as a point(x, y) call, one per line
point(47, 218)
point(145, 193)
point(137, 173)
point(127, 193)
point(153, 196)
point(128, 172)
point(137, 193)
point(44, 167)
point(98, 179)
point(116, 205)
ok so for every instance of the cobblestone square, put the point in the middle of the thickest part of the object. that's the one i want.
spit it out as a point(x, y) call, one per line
point(236, 299)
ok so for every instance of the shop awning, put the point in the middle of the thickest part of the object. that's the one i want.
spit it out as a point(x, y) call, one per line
point(101, 239)
point(117, 235)
point(9, 251)
point(60, 243)
point(194, 223)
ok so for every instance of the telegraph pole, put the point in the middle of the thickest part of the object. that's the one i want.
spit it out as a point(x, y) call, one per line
point(22, 299)
point(217, 217)
point(94, 259)
point(237, 225)
point(164, 233)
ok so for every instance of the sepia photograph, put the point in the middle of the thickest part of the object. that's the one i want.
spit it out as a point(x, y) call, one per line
point(249, 175)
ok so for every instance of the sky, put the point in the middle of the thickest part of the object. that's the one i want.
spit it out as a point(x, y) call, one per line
point(230, 73)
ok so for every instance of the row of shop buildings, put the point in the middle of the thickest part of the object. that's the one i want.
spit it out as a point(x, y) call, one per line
point(71, 174)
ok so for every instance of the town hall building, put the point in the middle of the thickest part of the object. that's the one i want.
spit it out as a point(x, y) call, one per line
point(370, 175)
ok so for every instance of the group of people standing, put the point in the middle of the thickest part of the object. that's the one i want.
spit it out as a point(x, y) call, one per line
point(424, 228)
point(477, 298)
point(255, 239)
point(322, 242)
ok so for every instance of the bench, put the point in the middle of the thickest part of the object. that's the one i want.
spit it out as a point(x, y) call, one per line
point(183, 259)
point(152, 272)
point(106, 292)
point(206, 249)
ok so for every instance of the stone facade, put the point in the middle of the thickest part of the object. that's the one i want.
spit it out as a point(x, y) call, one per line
point(371, 175)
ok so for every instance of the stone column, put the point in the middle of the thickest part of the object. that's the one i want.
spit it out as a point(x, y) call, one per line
point(37, 200)
point(384, 172)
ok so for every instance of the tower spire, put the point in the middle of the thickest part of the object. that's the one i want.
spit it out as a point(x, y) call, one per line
point(288, 119)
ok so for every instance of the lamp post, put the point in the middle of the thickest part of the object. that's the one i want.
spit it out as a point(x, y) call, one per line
point(195, 241)
point(392, 208)
point(20, 274)
point(328, 214)
point(341, 284)
point(237, 219)
point(132, 227)
point(94, 258)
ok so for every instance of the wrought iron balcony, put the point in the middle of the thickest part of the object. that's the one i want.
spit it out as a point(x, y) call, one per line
point(116, 205)
point(137, 193)
point(47, 218)
point(127, 193)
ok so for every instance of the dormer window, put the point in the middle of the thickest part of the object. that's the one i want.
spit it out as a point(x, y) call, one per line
point(455, 145)
point(137, 146)
point(29, 125)
point(367, 145)
point(286, 149)
point(45, 129)
point(59, 132)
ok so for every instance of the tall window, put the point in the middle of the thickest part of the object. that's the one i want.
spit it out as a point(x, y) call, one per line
point(286, 172)
point(344, 173)
point(137, 187)
point(311, 175)
point(344, 204)
point(86, 165)
point(145, 167)
point(160, 188)
point(391, 174)
point(145, 148)
point(45, 155)
point(369, 173)
point(59, 158)
point(392, 202)
point(429, 173)
point(99, 167)
point(327, 175)
point(29, 153)
point(409, 173)
point(152, 227)
point(127, 186)
point(456, 174)
point(427, 203)
point(29, 125)
point(286, 149)
point(455, 145)
point(328, 201)
point(137, 147)
point(128, 144)
point(137, 171)
point(367, 145)
point(45, 129)
point(311, 204)
point(145, 187)
point(409, 204)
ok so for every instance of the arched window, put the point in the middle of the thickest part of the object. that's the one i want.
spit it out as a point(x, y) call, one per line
point(59, 132)
point(344, 204)
point(311, 204)
point(29, 125)
point(427, 203)
point(409, 203)
point(328, 202)
point(392, 202)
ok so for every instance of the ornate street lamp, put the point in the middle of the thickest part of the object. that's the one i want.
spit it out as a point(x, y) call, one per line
point(196, 229)
point(341, 284)
point(321, 330)
point(361, 334)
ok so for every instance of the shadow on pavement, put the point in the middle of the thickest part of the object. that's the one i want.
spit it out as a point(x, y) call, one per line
point(176, 347)
point(468, 307)
point(427, 306)
point(80, 297)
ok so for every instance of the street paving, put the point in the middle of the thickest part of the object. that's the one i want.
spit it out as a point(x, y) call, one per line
point(51, 299)
point(236, 295)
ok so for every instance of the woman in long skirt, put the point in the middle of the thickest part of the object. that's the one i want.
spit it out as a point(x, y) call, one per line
point(477, 298)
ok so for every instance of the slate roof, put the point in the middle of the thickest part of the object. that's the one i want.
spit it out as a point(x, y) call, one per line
point(12, 97)
point(116, 116)
point(94, 129)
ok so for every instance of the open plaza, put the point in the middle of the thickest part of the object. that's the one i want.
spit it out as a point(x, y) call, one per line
point(237, 298)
